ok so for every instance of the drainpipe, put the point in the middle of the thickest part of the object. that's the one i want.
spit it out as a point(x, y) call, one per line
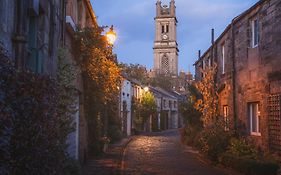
point(234, 78)
point(63, 4)
point(213, 42)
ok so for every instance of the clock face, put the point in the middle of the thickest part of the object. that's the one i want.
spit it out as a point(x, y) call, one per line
point(165, 36)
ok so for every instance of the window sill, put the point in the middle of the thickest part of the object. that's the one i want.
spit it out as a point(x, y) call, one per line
point(255, 134)
point(253, 47)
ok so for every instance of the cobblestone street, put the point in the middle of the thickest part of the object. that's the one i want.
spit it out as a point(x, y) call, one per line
point(162, 153)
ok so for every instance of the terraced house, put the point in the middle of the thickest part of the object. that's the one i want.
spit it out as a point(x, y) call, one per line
point(32, 31)
point(248, 58)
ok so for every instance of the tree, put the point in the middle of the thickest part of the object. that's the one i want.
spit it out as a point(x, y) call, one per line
point(135, 71)
point(162, 81)
point(208, 105)
point(101, 79)
point(148, 106)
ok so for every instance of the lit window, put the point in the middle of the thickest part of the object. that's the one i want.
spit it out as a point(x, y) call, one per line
point(255, 33)
point(226, 118)
point(253, 113)
point(223, 58)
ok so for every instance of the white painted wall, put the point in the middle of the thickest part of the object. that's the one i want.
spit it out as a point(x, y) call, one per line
point(126, 95)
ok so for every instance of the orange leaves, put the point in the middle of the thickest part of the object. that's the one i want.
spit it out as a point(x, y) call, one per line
point(208, 105)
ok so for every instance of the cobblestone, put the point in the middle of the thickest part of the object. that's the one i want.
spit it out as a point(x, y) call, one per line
point(162, 154)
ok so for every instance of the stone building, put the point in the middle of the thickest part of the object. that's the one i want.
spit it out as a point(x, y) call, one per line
point(165, 44)
point(31, 31)
point(79, 14)
point(167, 109)
point(126, 106)
point(248, 58)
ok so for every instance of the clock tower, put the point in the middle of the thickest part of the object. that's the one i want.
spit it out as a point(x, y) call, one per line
point(165, 44)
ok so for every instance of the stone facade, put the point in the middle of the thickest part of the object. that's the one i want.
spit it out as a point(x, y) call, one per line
point(167, 109)
point(79, 14)
point(165, 44)
point(248, 56)
point(31, 32)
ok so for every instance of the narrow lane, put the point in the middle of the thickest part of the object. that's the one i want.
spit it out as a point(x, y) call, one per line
point(162, 154)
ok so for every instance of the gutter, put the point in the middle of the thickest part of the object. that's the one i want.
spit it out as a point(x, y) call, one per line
point(91, 11)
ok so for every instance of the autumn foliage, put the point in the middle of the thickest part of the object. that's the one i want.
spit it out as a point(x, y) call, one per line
point(208, 105)
point(101, 81)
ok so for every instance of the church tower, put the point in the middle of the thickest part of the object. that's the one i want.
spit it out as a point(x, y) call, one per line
point(165, 43)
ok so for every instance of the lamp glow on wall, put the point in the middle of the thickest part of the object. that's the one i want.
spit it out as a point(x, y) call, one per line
point(111, 36)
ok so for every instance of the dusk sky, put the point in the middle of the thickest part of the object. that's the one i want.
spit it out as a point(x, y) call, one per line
point(133, 21)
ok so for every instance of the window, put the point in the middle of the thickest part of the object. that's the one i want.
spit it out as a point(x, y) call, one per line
point(165, 64)
point(225, 117)
point(163, 29)
point(223, 59)
point(32, 44)
point(175, 104)
point(255, 33)
point(204, 64)
point(167, 28)
point(253, 113)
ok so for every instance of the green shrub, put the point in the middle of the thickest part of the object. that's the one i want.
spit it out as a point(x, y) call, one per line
point(72, 167)
point(189, 134)
point(244, 158)
point(114, 133)
point(213, 141)
point(239, 147)
point(248, 165)
point(32, 133)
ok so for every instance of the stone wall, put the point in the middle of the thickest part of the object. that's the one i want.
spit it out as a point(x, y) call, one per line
point(252, 74)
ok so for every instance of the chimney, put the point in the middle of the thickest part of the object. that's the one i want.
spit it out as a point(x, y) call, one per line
point(199, 54)
point(213, 36)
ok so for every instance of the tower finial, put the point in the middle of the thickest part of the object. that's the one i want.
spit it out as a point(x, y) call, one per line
point(173, 8)
point(158, 8)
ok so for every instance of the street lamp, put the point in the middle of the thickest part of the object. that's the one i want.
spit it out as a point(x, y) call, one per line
point(111, 35)
point(146, 89)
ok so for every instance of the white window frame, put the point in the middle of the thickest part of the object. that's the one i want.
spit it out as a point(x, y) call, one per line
point(223, 58)
point(250, 108)
point(255, 32)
